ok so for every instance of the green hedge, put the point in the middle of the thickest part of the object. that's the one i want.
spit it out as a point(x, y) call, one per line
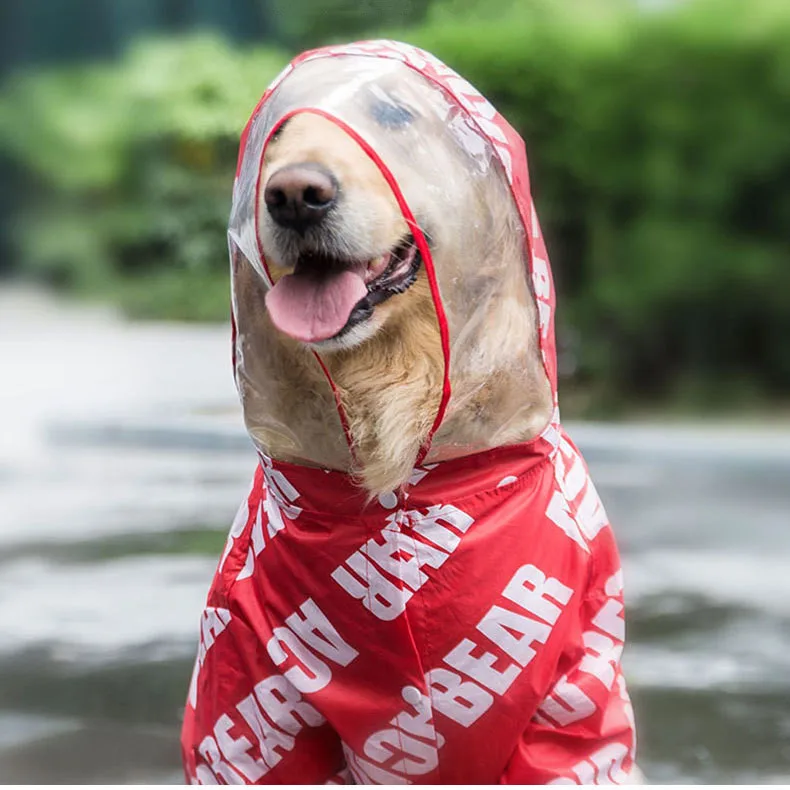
point(127, 169)
point(660, 154)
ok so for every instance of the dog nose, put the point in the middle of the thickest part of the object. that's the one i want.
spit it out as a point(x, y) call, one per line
point(298, 196)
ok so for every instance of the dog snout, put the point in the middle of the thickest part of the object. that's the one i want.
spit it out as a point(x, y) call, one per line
point(300, 196)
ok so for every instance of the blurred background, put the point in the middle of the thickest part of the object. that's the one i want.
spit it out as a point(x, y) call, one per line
point(659, 142)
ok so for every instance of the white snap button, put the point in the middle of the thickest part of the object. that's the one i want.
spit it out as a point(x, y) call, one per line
point(388, 500)
point(412, 695)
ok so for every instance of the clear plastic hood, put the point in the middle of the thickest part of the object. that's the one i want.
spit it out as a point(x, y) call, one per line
point(411, 245)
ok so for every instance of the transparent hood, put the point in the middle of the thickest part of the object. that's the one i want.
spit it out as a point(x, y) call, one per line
point(386, 265)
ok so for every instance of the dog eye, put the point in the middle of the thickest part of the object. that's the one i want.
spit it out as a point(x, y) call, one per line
point(278, 131)
point(391, 115)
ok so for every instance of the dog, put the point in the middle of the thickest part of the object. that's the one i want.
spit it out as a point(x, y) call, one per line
point(394, 354)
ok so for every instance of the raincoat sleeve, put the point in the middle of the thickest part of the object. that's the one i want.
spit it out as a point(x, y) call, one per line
point(244, 722)
point(583, 731)
point(249, 725)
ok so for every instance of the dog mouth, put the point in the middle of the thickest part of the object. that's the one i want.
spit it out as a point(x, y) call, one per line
point(325, 297)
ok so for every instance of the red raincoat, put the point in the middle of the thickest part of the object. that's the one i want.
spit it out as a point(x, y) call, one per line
point(466, 629)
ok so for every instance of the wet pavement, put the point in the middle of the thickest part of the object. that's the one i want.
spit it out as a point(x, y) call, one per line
point(123, 461)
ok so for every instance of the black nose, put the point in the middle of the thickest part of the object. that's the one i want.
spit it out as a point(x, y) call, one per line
point(298, 196)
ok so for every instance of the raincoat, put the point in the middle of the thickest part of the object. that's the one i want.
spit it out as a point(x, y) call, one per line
point(467, 628)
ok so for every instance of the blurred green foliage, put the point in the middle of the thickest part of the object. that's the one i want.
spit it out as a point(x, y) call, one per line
point(128, 169)
point(659, 152)
point(302, 24)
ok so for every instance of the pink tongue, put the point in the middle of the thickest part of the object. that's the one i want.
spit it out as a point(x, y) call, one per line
point(309, 309)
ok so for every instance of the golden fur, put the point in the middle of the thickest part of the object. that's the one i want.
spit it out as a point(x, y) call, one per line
point(390, 380)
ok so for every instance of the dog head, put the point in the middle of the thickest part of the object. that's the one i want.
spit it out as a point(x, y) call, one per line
point(348, 190)
point(337, 244)
point(384, 222)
